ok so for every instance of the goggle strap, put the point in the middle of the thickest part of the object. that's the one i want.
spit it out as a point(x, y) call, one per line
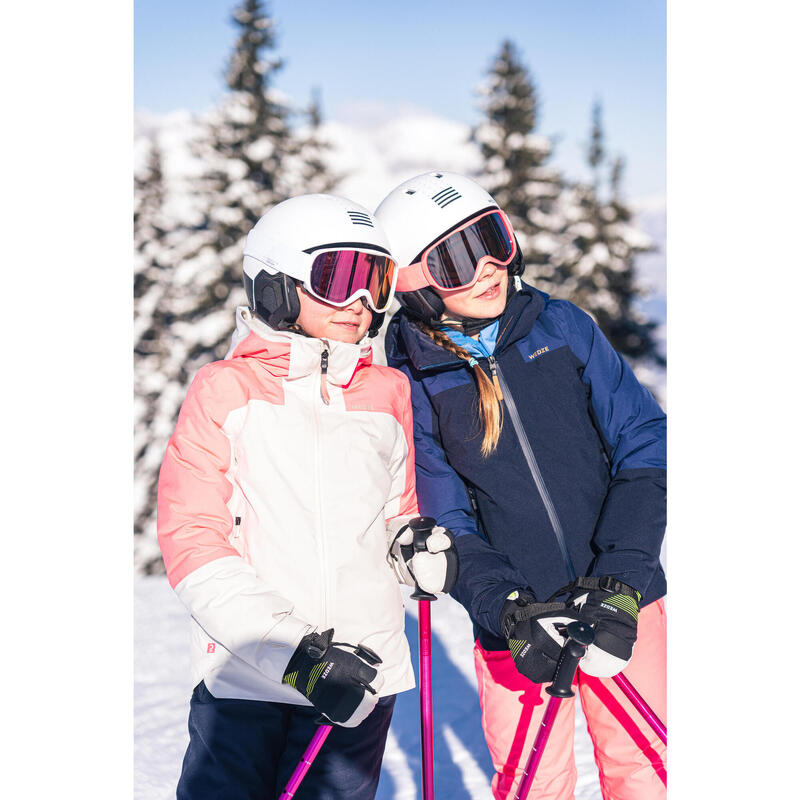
point(412, 278)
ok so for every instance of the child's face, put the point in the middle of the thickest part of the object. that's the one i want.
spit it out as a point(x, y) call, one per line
point(340, 323)
point(485, 298)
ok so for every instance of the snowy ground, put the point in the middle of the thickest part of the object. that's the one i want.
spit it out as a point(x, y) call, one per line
point(463, 767)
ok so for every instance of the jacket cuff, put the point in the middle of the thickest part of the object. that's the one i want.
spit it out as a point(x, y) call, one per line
point(278, 646)
point(628, 568)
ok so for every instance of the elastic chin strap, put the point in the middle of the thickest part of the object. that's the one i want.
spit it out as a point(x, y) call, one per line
point(469, 326)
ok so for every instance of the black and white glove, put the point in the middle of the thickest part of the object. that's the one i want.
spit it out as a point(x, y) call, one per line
point(342, 685)
point(532, 631)
point(434, 569)
point(611, 607)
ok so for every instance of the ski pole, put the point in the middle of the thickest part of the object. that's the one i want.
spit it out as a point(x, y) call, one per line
point(317, 740)
point(641, 706)
point(422, 526)
point(579, 637)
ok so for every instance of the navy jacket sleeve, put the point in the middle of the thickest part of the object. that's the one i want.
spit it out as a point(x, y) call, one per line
point(485, 576)
point(631, 527)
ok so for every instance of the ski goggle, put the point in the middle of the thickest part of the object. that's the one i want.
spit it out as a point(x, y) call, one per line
point(338, 277)
point(454, 261)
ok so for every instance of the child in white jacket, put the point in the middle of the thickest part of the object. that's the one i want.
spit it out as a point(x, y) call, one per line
point(290, 461)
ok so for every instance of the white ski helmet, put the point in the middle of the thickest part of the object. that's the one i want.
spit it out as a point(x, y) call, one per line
point(303, 240)
point(418, 213)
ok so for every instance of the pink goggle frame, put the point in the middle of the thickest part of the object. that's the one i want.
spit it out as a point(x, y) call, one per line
point(500, 250)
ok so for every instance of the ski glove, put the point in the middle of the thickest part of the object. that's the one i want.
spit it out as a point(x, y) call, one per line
point(435, 569)
point(533, 638)
point(340, 684)
point(611, 607)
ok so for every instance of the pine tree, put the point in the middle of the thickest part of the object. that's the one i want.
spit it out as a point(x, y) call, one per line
point(516, 171)
point(594, 264)
point(185, 305)
point(247, 143)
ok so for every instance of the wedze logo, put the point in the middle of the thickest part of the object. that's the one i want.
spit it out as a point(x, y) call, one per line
point(541, 350)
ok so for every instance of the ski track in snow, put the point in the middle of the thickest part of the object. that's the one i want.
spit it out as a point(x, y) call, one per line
point(463, 766)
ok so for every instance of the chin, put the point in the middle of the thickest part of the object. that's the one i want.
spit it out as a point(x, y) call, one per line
point(492, 308)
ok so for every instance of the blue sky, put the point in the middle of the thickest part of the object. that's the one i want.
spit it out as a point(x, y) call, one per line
point(383, 57)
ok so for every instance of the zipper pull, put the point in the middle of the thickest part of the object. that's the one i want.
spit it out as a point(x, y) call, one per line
point(323, 383)
point(493, 367)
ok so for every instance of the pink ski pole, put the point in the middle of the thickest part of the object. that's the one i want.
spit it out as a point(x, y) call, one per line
point(579, 637)
point(641, 706)
point(422, 527)
point(317, 740)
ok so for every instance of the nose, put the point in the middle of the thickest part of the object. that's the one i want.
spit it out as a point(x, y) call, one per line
point(357, 306)
point(488, 268)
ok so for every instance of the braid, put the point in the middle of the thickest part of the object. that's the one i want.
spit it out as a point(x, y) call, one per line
point(491, 412)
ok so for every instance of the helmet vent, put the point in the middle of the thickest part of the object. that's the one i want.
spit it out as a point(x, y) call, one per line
point(411, 191)
point(438, 175)
point(445, 197)
point(360, 218)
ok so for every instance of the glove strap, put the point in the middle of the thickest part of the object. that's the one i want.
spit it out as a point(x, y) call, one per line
point(605, 583)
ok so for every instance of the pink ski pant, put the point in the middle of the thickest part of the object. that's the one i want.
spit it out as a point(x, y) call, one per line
point(630, 758)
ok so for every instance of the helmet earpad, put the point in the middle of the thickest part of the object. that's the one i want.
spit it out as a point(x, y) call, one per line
point(422, 303)
point(274, 299)
point(375, 325)
point(517, 266)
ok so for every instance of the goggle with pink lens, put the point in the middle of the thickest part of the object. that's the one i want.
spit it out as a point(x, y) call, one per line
point(340, 276)
point(453, 261)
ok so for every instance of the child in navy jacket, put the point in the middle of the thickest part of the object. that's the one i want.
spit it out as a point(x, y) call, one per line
point(538, 448)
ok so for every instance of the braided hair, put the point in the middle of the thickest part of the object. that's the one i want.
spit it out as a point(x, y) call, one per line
point(489, 395)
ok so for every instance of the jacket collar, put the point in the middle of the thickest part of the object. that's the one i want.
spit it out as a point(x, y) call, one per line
point(291, 355)
point(405, 342)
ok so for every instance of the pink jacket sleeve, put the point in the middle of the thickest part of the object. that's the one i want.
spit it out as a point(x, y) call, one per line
point(221, 590)
point(402, 501)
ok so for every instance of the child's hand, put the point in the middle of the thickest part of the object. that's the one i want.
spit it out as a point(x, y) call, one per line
point(533, 633)
point(342, 685)
point(611, 607)
point(434, 569)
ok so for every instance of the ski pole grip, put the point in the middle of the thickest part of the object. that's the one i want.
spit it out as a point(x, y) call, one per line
point(421, 528)
point(579, 637)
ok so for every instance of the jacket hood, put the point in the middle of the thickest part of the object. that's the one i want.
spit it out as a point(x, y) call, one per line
point(291, 355)
point(405, 342)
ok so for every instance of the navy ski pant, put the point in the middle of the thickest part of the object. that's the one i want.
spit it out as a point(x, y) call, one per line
point(248, 749)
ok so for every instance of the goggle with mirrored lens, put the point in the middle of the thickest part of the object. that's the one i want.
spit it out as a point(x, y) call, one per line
point(453, 261)
point(340, 276)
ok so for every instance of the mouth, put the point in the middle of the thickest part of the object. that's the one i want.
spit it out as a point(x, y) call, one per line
point(489, 294)
point(348, 326)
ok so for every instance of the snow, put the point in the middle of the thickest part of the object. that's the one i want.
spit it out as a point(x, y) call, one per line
point(463, 766)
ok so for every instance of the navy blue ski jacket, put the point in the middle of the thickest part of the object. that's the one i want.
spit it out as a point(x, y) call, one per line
point(579, 473)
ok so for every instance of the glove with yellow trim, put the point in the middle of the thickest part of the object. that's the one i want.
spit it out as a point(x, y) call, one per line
point(342, 685)
point(611, 607)
point(533, 631)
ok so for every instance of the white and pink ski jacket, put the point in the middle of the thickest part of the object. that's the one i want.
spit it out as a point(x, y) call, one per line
point(273, 505)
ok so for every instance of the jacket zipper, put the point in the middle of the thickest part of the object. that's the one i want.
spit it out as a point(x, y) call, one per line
point(317, 467)
point(533, 466)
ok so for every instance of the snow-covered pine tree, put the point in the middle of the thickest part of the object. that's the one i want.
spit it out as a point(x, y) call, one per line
point(593, 266)
point(246, 145)
point(251, 162)
point(516, 170)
